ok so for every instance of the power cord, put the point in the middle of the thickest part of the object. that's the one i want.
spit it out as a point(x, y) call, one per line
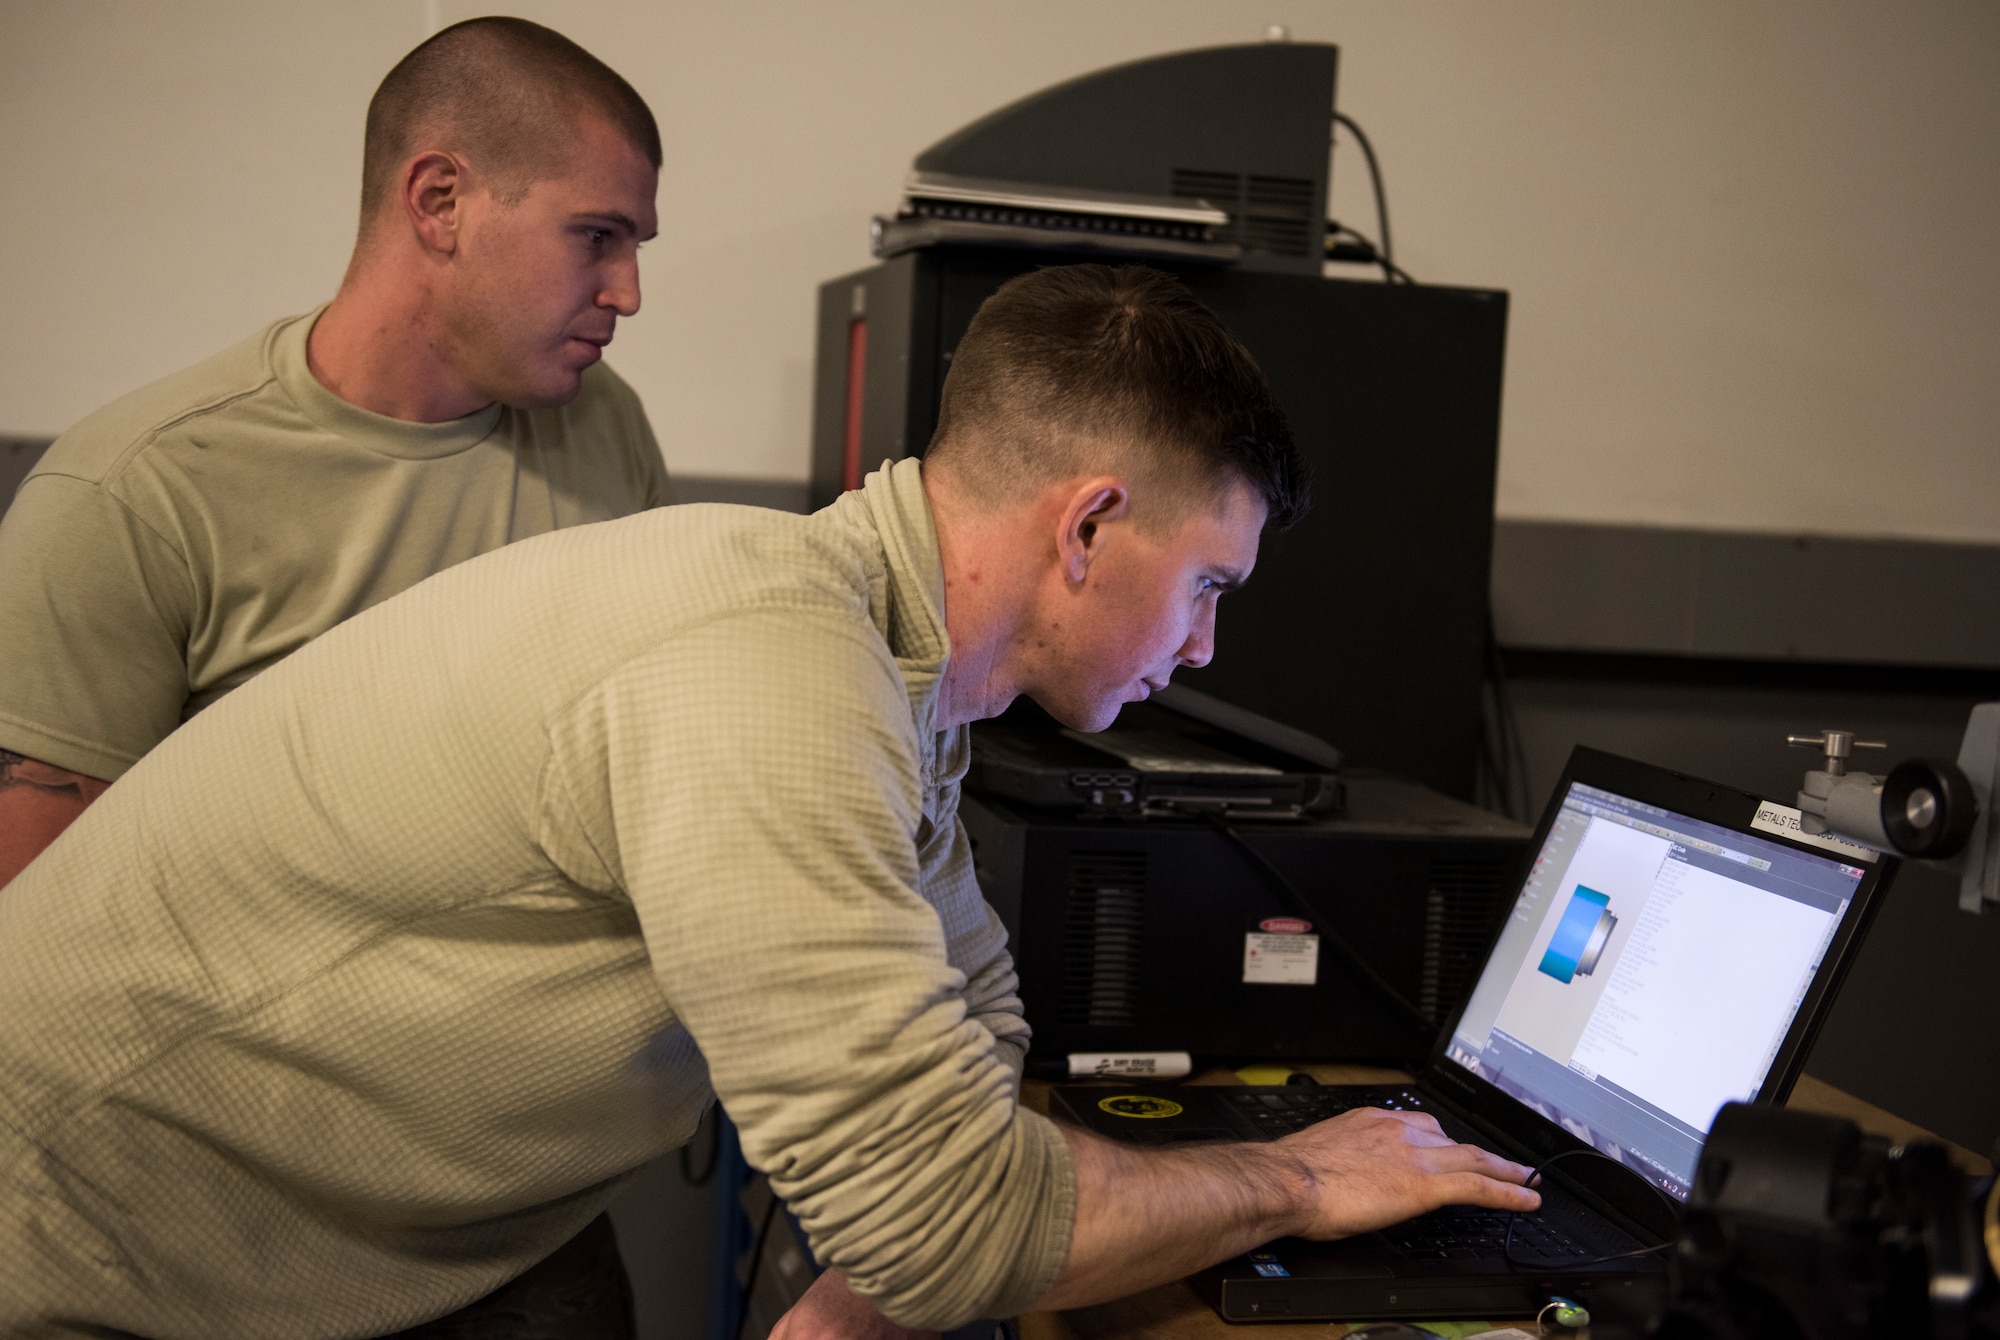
point(1385, 253)
point(1513, 1217)
point(1425, 1025)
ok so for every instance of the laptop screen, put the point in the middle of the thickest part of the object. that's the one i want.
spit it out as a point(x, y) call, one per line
point(1649, 973)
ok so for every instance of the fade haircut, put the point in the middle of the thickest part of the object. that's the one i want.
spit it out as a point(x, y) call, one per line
point(1083, 369)
point(505, 93)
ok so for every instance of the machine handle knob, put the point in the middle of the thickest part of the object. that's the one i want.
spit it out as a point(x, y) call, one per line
point(1928, 809)
point(1837, 745)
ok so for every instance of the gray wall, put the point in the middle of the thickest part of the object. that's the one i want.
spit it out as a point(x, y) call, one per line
point(1748, 244)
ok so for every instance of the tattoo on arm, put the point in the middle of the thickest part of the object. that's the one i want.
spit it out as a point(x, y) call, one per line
point(19, 770)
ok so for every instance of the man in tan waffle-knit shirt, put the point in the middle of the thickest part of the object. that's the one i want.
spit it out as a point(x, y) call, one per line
point(361, 994)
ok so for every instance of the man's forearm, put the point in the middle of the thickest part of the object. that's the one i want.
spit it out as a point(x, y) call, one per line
point(1147, 1216)
point(37, 802)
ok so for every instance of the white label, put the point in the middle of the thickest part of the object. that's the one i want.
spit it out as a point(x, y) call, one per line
point(1158, 1065)
point(1784, 821)
point(1289, 960)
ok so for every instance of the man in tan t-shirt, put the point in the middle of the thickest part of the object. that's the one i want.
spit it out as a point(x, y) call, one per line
point(448, 401)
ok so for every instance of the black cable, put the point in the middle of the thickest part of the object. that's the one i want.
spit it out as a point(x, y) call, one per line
point(1355, 963)
point(1359, 248)
point(1513, 1216)
point(1514, 747)
point(1489, 791)
point(707, 1173)
point(1387, 252)
point(1494, 762)
point(756, 1260)
point(1397, 272)
point(1502, 737)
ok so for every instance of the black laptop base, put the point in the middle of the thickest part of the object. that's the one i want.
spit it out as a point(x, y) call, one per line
point(1329, 1281)
point(1455, 1262)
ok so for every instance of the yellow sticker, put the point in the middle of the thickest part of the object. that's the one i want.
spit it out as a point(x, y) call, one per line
point(1139, 1105)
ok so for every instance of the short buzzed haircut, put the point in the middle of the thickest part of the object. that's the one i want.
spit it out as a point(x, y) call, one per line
point(1082, 369)
point(505, 93)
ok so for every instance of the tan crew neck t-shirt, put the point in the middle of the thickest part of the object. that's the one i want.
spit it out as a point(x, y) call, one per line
point(191, 534)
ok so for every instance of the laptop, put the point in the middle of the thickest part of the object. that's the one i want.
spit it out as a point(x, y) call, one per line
point(1674, 945)
point(1180, 751)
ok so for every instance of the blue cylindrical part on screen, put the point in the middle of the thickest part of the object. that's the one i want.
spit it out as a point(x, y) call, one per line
point(1586, 907)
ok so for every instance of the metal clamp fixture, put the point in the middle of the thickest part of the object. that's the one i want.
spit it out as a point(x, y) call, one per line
point(1922, 808)
point(1838, 746)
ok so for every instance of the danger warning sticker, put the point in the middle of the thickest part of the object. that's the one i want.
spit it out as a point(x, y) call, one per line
point(1287, 958)
point(1284, 925)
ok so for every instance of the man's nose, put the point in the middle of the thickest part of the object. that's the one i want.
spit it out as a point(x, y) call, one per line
point(1199, 649)
point(621, 289)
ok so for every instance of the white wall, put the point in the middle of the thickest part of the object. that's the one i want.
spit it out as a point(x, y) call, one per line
point(1750, 244)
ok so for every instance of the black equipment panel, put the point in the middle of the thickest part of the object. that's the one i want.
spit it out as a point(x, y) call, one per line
point(1365, 624)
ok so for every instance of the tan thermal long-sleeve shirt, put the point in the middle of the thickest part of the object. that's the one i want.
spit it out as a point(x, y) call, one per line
point(365, 989)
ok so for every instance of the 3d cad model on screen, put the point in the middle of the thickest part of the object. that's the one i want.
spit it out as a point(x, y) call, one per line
point(1578, 944)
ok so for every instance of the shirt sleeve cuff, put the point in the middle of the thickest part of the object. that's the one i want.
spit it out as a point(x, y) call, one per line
point(63, 751)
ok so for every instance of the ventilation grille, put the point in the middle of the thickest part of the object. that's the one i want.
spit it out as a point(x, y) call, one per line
point(1224, 190)
point(1101, 940)
point(1061, 220)
point(1273, 215)
point(1463, 894)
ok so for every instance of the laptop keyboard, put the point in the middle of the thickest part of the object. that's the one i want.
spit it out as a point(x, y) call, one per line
point(1281, 1113)
point(1481, 1235)
point(1455, 1234)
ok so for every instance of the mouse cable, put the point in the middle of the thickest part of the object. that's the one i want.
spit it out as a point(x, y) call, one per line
point(1387, 252)
point(1355, 963)
point(1513, 1217)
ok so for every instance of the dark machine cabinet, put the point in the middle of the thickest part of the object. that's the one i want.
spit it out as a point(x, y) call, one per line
point(1364, 625)
point(1132, 936)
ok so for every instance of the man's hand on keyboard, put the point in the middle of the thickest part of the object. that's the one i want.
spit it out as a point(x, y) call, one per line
point(1148, 1215)
point(1373, 1168)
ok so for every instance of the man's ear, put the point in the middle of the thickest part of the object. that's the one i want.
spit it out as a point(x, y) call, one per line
point(1080, 535)
point(432, 196)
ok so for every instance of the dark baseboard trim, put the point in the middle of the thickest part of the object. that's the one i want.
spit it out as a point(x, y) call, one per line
point(779, 494)
point(17, 456)
point(1527, 663)
point(1715, 595)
